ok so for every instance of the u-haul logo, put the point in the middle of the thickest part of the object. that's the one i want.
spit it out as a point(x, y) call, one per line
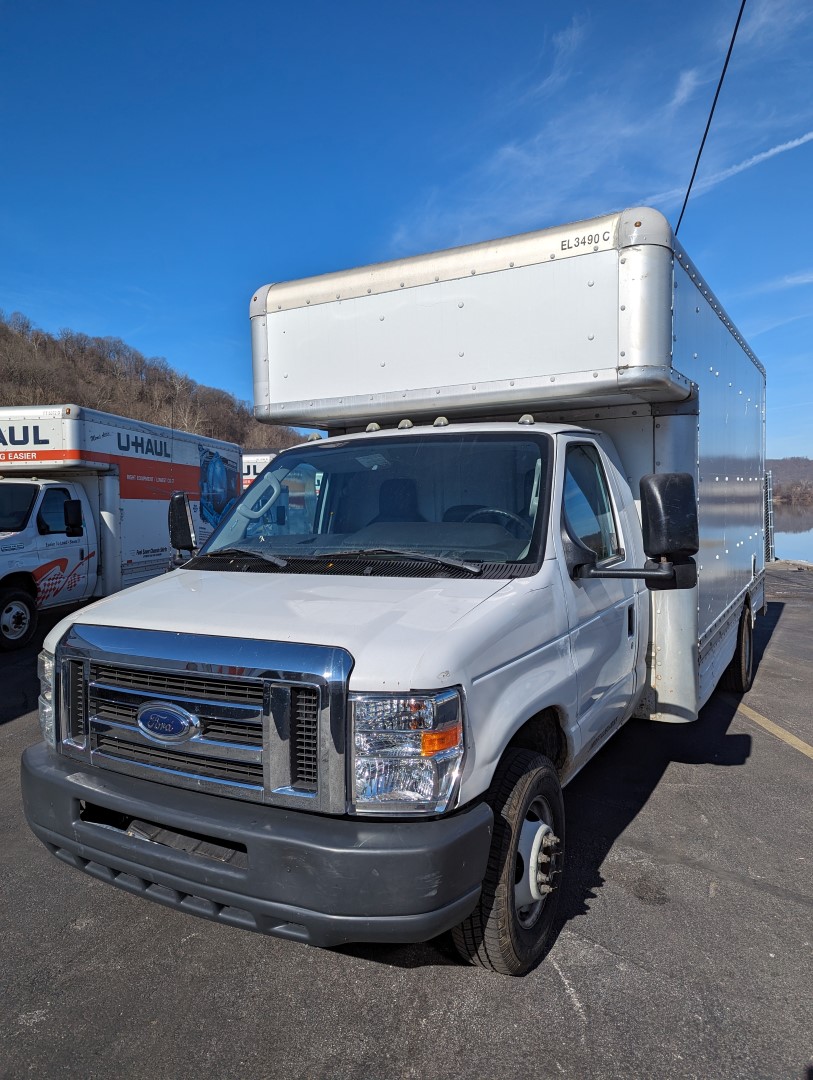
point(22, 435)
point(137, 444)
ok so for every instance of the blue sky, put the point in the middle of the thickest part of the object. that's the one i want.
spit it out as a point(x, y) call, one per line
point(159, 161)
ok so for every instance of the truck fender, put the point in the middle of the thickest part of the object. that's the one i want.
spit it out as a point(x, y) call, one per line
point(543, 734)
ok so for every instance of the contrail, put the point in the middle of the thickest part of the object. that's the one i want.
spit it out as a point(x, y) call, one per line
point(733, 170)
point(757, 159)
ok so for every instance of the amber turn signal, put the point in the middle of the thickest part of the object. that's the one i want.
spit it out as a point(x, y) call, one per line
point(433, 742)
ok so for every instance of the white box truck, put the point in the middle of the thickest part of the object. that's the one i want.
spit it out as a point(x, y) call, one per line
point(539, 513)
point(119, 474)
point(254, 461)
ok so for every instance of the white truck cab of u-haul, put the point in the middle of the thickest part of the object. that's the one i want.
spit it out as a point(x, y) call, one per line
point(119, 474)
point(349, 715)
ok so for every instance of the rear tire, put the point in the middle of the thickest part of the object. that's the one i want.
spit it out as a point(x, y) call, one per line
point(18, 618)
point(738, 677)
point(510, 928)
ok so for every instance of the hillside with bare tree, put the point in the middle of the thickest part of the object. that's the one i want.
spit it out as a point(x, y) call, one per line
point(37, 368)
point(792, 480)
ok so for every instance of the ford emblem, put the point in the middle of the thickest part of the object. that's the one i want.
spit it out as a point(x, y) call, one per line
point(166, 723)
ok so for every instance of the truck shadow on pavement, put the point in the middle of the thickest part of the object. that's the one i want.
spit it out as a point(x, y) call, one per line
point(19, 688)
point(606, 796)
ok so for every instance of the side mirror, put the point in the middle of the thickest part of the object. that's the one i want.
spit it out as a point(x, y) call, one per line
point(181, 527)
point(72, 509)
point(670, 535)
point(669, 515)
point(670, 528)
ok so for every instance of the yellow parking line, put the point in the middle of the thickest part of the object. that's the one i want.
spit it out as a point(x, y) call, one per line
point(779, 732)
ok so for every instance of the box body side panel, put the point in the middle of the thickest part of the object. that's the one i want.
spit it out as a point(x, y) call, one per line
point(730, 451)
point(474, 342)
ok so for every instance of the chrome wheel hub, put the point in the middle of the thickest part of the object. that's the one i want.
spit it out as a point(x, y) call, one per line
point(537, 862)
point(14, 620)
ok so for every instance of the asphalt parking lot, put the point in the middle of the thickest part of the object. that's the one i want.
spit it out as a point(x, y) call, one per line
point(685, 946)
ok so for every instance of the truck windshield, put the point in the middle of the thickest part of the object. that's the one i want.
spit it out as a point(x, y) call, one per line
point(445, 498)
point(16, 501)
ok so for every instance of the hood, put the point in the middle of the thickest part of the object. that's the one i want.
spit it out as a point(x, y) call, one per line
point(393, 627)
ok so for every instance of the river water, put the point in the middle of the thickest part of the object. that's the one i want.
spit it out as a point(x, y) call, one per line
point(793, 532)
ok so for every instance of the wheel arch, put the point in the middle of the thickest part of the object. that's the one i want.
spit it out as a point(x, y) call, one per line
point(20, 580)
point(543, 733)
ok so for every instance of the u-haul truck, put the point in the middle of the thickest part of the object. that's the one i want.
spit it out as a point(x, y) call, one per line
point(254, 461)
point(122, 472)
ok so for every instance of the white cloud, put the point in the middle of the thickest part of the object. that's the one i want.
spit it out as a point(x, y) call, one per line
point(528, 87)
point(687, 84)
point(789, 281)
point(565, 45)
point(771, 22)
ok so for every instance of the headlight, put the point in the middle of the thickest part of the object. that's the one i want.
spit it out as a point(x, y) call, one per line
point(45, 673)
point(407, 751)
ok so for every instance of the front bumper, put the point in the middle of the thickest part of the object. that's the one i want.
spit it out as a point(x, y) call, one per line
point(312, 878)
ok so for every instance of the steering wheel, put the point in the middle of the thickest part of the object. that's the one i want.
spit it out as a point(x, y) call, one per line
point(524, 525)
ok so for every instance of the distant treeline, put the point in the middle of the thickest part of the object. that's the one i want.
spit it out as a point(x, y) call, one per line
point(105, 373)
point(792, 480)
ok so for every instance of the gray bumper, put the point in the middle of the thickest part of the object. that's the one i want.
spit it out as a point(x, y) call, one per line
point(312, 878)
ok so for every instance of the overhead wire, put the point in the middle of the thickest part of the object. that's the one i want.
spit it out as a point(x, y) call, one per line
point(711, 114)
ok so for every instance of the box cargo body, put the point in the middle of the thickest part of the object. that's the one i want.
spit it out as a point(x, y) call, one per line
point(123, 471)
point(539, 512)
point(605, 323)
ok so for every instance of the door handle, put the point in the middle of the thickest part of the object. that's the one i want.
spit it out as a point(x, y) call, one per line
point(631, 620)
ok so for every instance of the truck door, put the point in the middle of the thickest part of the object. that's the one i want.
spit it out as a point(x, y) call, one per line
point(601, 611)
point(62, 574)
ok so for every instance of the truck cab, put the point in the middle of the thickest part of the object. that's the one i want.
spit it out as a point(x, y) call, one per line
point(479, 508)
point(41, 564)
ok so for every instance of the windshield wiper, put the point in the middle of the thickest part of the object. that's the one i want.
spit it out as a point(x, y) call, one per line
point(400, 553)
point(236, 551)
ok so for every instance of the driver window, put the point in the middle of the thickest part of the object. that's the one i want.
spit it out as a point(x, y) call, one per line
point(51, 516)
point(587, 507)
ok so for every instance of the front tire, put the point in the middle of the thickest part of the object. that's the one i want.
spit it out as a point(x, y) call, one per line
point(510, 928)
point(18, 618)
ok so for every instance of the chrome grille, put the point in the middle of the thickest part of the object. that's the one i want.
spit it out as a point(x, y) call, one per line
point(304, 738)
point(155, 757)
point(244, 733)
point(78, 702)
point(267, 719)
point(180, 685)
